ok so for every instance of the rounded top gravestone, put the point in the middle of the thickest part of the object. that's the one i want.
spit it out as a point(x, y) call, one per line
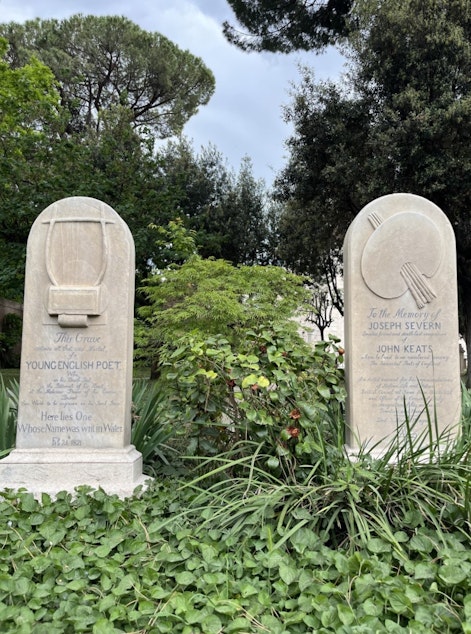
point(401, 323)
point(74, 418)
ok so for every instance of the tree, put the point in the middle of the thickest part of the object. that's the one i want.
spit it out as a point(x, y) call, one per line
point(28, 107)
point(245, 225)
point(226, 210)
point(102, 62)
point(208, 296)
point(402, 123)
point(118, 87)
point(322, 187)
point(288, 25)
point(320, 310)
point(116, 166)
point(203, 181)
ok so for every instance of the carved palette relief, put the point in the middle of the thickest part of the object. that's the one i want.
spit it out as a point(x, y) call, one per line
point(402, 254)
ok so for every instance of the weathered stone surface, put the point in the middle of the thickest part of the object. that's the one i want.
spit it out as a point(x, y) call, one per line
point(401, 321)
point(74, 422)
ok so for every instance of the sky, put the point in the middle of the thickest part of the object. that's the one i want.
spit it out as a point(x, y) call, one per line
point(244, 116)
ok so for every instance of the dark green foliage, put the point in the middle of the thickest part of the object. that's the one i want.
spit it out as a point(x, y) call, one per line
point(8, 415)
point(287, 25)
point(400, 121)
point(108, 62)
point(268, 393)
point(147, 189)
point(115, 166)
point(10, 339)
point(226, 210)
point(28, 107)
point(119, 88)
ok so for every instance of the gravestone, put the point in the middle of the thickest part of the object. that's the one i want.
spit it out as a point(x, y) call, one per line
point(74, 418)
point(401, 323)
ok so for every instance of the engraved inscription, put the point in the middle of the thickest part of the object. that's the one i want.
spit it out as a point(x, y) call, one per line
point(393, 340)
point(71, 396)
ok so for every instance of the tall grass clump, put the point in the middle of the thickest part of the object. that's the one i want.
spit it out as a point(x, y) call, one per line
point(152, 424)
point(8, 415)
point(347, 503)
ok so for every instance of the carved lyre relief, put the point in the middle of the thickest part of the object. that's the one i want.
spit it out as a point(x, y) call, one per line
point(77, 255)
point(402, 254)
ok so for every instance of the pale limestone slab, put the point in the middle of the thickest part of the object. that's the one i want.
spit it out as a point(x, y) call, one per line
point(74, 419)
point(401, 321)
point(116, 471)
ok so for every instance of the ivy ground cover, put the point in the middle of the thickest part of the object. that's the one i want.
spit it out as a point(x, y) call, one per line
point(161, 562)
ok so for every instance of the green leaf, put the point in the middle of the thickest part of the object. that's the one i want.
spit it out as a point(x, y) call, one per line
point(124, 585)
point(425, 570)
point(307, 409)
point(106, 603)
point(372, 608)
point(399, 602)
point(239, 624)
point(453, 574)
point(103, 626)
point(185, 578)
point(103, 550)
point(346, 614)
point(36, 518)
point(21, 585)
point(273, 462)
point(53, 532)
point(421, 543)
point(227, 607)
point(28, 502)
point(247, 589)
point(324, 391)
point(212, 624)
point(288, 573)
point(376, 545)
point(262, 381)
point(305, 580)
point(249, 380)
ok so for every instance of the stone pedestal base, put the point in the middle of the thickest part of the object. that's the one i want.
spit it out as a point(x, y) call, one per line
point(116, 471)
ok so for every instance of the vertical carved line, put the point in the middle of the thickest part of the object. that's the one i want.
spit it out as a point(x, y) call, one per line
point(375, 219)
point(49, 270)
point(421, 290)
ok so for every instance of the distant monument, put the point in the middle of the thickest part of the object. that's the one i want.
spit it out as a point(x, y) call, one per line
point(74, 419)
point(401, 322)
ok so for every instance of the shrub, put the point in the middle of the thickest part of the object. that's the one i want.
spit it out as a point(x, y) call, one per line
point(212, 297)
point(271, 389)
